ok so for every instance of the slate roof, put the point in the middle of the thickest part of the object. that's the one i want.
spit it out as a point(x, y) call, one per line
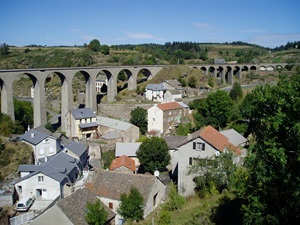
point(111, 184)
point(174, 83)
point(174, 92)
point(168, 106)
point(35, 136)
point(58, 168)
point(77, 148)
point(111, 135)
point(234, 137)
point(128, 149)
point(83, 113)
point(123, 160)
point(74, 206)
point(155, 87)
point(113, 123)
point(174, 141)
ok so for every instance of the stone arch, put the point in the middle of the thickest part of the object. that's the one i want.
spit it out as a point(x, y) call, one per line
point(212, 71)
point(229, 74)
point(111, 85)
point(253, 68)
point(204, 69)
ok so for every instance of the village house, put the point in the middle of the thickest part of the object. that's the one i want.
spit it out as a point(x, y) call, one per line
point(80, 152)
point(71, 210)
point(43, 143)
point(123, 164)
point(173, 95)
point(109, 185)
point(49, 181)
point(155, 92)
point(164, 117)
point(101, 84)
point(172, 85)
point(204, 143)
point(127, 131)
point(129, 149)
point(81, 124)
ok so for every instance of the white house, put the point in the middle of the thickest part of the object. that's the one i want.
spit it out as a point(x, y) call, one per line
point(173, 95)
point(155, 92)
point(81, 123)
point(164, 117)
point(44, 145)
point(48, 181)
point(101, 81)
point(109, 185)
point(204, 143)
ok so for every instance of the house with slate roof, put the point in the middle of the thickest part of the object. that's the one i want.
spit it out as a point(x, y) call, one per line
point(172, 85)
point(71, 210)
point(204, 143)
point(164, 117)
point(80, 152)
point(109, 185)
point(155, 92)
point(50, 180)
point(127, 131)
point(43, 143)
point(81, 124)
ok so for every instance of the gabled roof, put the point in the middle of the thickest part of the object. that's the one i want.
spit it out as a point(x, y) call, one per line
point(174, 92)
point(75, 205)
point(174, 83)
point(83, 113)
point(218, 140)
point(123, 160)
point(35, 136)
point(113, 123)
point(174, 141)
point(128, 149)
point(234, 137)
point(58, 168)
point(77, 148)
point(155, 87)
point(111, 184)
point(168, 106)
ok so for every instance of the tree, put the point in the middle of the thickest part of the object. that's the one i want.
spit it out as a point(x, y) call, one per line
point(94, 45)
point(4, 49)
point(216, 110)
point(273, 164)
point(23, 113)
point(236, 93)
point(175, 201)
point(105, 49)
point(96, 214)
point(132, 205)
point(192, 82)
point(139, 118)
point(153, 154)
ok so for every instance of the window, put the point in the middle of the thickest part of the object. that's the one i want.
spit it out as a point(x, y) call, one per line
point(190, 161)
point(41, 179)
point(154, 199)
point(110, 205)
point(19, 189)
point(199, 146)
point(42, 151)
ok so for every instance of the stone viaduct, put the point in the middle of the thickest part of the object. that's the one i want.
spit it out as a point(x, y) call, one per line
point(66, 75)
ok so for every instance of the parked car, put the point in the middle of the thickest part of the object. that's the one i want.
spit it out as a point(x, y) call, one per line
point(24, 204)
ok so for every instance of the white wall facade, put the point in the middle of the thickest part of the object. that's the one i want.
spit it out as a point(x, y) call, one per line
point(44, 188)
point(186, 153)
point(168, 97)
point(47, 147)
point(155, 118)
point(155, 95)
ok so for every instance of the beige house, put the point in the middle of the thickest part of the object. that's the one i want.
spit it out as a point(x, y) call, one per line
point(81, 124)
point(109, 185)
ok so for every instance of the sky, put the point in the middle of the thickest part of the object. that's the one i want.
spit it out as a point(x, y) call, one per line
point(269, 23)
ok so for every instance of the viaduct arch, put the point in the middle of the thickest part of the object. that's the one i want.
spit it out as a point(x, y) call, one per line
point(226, 72)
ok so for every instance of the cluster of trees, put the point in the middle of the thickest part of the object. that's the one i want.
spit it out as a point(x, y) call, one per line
point(271, 168)
point(95, 46)
point(289, 45)
point(4, 49)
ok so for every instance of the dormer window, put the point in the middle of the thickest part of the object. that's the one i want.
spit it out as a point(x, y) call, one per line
point(199, 146)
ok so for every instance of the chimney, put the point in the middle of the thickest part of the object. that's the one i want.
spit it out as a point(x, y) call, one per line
point(189, 136)
point(32, 134)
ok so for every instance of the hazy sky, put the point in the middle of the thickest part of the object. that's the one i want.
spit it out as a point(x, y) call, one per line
point(269, 23)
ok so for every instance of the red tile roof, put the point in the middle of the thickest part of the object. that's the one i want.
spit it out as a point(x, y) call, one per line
point(123, 160)
point(218, 140)
point(168, 106)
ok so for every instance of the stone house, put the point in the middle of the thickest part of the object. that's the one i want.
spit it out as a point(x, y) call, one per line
point(123, 164)
point(164, 117)
point(129, 149)
point(71, 210)
point(109, 185)
point(127, 131)
point(81, 124)
point(173, 95)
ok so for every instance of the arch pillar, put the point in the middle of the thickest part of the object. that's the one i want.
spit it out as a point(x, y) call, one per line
point(132, 81)
point(230, 75)
point(90, 97)
point(39, 103)
point(111, 85)
point(7, 100)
